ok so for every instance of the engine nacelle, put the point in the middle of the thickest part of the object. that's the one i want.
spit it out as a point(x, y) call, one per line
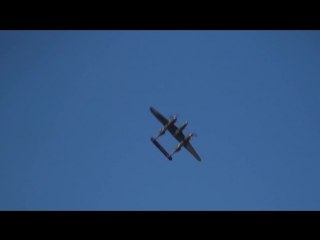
point(178, 147)
point(162, 131)
point(188, 137)
point(172, 121)
point(183, 126)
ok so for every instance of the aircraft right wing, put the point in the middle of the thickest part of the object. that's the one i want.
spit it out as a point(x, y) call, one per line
point(189, 147)
point(159, 116)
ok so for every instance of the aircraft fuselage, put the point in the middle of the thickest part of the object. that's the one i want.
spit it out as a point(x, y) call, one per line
point(183, 126)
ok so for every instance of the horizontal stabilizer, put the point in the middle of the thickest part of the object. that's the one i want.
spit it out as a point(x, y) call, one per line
point(161, 148)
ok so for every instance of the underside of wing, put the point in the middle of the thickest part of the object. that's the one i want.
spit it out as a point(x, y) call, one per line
point(172, 129)
point(159, 116)
point(189, 147)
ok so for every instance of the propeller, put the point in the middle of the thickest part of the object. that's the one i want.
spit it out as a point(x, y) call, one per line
point(194, 134)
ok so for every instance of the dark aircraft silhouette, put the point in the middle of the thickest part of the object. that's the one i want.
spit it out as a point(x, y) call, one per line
point(176, 132)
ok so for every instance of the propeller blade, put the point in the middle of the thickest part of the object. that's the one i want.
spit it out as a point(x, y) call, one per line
point(194, 134)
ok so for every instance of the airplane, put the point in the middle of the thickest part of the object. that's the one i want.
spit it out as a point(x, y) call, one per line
point(169, 125)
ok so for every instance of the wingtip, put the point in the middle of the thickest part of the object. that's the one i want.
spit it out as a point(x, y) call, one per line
point(153, 110)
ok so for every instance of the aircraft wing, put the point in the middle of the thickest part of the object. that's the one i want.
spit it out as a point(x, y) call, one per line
point(189, 147)
point(159, 116)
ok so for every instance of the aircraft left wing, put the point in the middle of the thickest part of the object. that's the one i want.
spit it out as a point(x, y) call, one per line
point(159, 116)
point(189, 147)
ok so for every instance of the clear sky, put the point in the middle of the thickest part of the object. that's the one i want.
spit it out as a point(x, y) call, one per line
point(75, 123)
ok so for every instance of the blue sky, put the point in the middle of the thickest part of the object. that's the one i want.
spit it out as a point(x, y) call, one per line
point(75, 123)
